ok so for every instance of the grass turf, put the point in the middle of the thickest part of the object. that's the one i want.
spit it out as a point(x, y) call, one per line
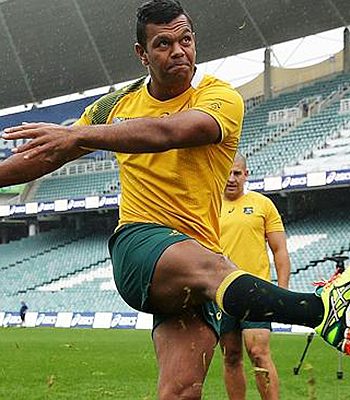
point(84, 364)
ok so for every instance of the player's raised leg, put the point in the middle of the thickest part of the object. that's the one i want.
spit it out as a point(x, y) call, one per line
point(188, 274)
point(184, 347)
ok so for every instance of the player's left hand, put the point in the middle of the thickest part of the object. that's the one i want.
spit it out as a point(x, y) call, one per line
point(49, 141)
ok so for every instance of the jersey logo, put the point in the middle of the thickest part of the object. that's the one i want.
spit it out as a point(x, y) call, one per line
point(248, 210)
point(232, 209)
point(174, 232)
point(118, 119)
point(215, 106)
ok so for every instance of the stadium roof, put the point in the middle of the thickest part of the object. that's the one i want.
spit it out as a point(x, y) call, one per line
point(49, 48)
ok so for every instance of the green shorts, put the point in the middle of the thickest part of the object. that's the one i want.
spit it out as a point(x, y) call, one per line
point(135, 250)
point(229, 324)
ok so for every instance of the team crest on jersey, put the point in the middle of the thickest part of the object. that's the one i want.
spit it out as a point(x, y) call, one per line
point(118, 119)
point(215, 106)
point(248, 210)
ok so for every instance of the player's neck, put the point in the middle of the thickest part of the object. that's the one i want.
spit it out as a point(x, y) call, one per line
point(233, 196)
point(165, 93)
point(167, 90)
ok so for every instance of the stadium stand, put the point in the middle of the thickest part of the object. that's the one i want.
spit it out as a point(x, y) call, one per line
point(333, 153)
point(310, 241)
point(60, 270)
point(79, 180)
point(289, 142)
point(77, 186)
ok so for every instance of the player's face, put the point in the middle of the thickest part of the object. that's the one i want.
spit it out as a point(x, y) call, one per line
point(171, 52)
point(236, 181)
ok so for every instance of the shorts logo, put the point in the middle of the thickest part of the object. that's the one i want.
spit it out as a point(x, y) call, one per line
point(248, 210)
point(219, 315)
point(174, 232)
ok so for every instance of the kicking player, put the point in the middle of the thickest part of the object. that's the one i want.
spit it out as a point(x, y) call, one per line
point(175, 134)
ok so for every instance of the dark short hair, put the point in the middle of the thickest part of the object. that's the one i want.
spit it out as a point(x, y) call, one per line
point(157, 12)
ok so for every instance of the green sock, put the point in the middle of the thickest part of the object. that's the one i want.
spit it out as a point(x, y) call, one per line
point(253, 299)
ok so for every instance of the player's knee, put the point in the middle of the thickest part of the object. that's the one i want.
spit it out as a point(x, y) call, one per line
point(213, 269)
point(258, 355)
point(206, 274)
point(182, 391)
point(233, 359)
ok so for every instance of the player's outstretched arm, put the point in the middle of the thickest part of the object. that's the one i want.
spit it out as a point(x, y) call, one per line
point(141, 135)
point(51, 146)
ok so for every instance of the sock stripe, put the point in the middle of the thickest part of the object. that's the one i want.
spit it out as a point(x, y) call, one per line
point(225, 284)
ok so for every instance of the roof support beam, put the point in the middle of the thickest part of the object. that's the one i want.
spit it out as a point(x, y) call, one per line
point(346, 52)
point(267, 74)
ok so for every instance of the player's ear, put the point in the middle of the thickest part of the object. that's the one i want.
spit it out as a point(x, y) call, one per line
point(141, 54)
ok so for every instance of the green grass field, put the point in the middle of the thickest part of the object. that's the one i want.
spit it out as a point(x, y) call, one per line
point(87, 364)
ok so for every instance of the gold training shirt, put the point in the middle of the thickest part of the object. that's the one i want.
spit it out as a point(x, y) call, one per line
point(179, 188)
point(244, 224)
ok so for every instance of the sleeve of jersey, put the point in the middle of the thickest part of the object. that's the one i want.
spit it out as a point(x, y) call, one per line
point(84, 119)
point(273, 222)
point(226, 106)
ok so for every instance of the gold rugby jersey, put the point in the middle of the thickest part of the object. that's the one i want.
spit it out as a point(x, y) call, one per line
point(179, 188)
point(244, 224)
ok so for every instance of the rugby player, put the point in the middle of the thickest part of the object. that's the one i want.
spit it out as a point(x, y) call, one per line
point(175, 134)
point(250, 219)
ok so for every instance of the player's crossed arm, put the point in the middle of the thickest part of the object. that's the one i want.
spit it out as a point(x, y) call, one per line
point(139, 135)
